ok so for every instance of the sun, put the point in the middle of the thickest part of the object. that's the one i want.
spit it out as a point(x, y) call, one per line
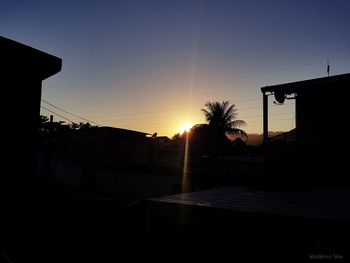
point(185, 127)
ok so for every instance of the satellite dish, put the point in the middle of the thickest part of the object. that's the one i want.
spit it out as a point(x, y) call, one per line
point(154, 135)
point(280, 96)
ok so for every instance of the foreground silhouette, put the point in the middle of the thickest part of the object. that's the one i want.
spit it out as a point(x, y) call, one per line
point(22, 194)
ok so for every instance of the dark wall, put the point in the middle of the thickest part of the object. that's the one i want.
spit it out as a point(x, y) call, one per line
point(20, 118)
point(322, 133)
point(22, 70)
point(322, 112)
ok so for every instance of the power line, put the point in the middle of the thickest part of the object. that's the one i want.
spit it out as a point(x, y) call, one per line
point(178, 110)
point(289, 119)
point(260, 107)
point(69, 112)
point(52, 105)
point(186, 116)
point(174, 123)
point(121, 120)
point(57, 114)
point(260, 115)
point(173, 110)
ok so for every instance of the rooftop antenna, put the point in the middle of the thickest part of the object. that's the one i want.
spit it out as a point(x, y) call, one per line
point(328, 67)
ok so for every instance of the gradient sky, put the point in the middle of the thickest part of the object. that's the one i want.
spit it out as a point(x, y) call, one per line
point(151, 65)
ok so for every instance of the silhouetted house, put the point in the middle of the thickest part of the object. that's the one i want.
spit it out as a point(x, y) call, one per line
point(162, 140)
point(23, 69)
point(168, 155)
point(289, 136)
point(117, 162)
point(99, 148)
point(319, 153)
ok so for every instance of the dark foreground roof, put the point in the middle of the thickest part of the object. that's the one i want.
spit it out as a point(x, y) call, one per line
point(294, 87)
point(324, 204)
point(18, 59)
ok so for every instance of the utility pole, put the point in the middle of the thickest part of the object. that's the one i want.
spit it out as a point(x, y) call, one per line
point(265, 118)
point(328, 67)
point(49, 148)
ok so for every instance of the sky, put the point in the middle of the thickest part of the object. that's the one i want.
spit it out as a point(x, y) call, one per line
point(151, 65)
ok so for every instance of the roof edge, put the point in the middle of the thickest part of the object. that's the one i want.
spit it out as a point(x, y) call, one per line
point(308, 82)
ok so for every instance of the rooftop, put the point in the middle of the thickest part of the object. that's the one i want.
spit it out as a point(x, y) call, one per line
point(324, 204)
point(17, 58)
point(294, 87)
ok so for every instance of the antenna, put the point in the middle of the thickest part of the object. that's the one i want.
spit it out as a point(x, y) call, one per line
point(328, 67)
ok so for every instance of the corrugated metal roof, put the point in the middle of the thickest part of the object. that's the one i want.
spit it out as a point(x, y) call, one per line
point(325, 204)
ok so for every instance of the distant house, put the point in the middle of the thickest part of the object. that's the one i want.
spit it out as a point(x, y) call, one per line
point(117, 162)
point(288, 136)
point(96, 149)
point(163, 140)
point(319, 153)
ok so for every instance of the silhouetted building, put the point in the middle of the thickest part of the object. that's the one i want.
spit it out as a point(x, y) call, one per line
point(117, 162)
point(22, 70)
point(103, 148)
point(320, 152)
point(288, 136)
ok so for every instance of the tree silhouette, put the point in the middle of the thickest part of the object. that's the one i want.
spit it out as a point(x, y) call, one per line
point(211, 138)
point(45, 126)
point(222, 117)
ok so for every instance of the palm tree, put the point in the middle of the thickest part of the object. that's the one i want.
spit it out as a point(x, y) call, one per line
point(222, 117)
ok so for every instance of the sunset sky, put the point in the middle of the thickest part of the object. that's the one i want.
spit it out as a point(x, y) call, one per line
point(152, 65)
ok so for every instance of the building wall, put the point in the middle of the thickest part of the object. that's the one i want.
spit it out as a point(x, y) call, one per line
point(322, 115)
point(322, 134)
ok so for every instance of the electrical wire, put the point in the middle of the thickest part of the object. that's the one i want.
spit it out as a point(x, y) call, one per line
point(56, 107)
point(57, 114)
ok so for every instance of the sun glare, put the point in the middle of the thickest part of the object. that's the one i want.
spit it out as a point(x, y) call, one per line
point(185, 127)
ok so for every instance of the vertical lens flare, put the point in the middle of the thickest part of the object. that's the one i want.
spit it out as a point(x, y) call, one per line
point(185, 186)
point(185, 175)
